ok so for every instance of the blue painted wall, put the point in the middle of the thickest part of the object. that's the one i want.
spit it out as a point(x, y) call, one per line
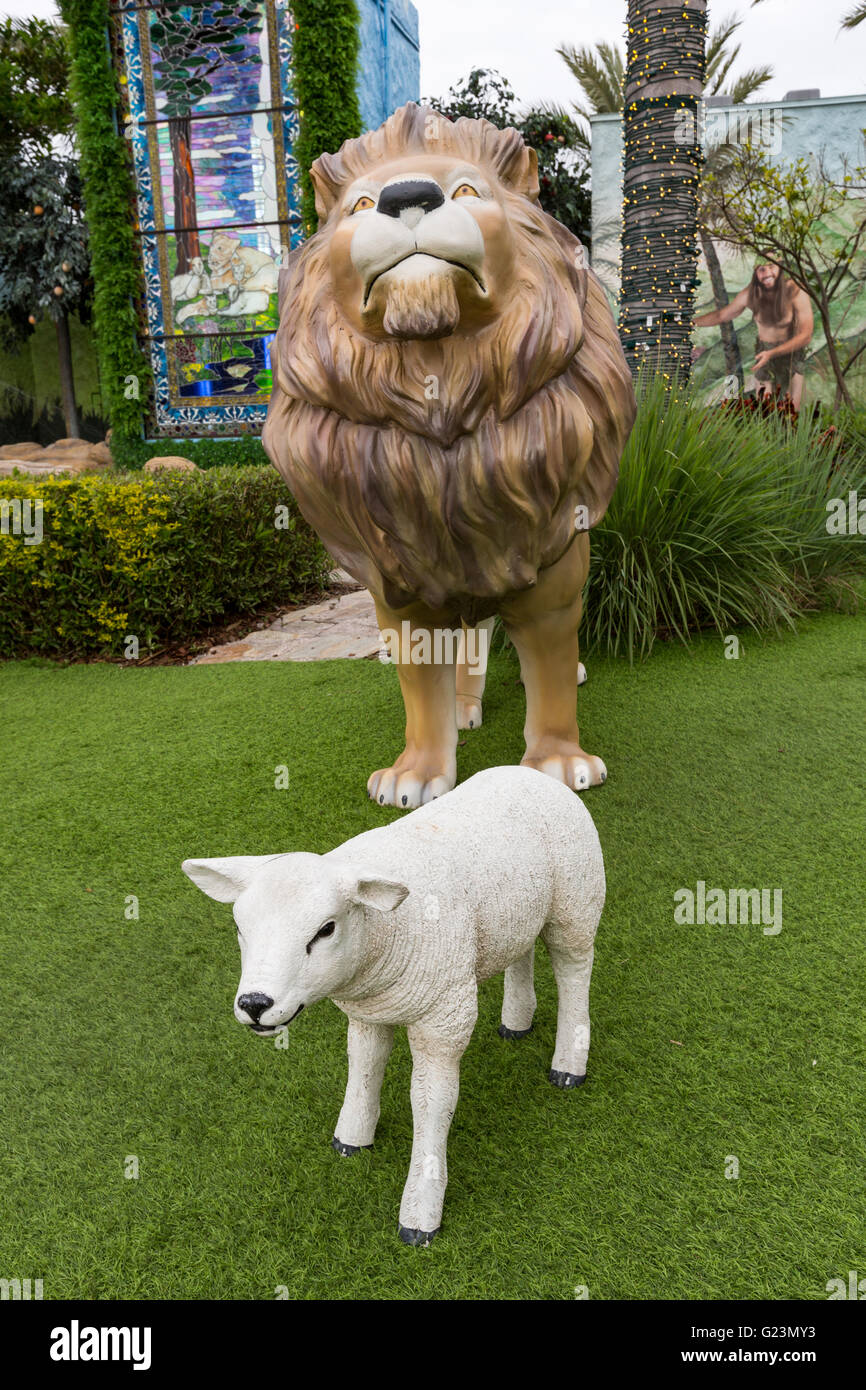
point(390, 73)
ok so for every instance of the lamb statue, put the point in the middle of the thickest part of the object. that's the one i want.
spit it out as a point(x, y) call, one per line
point(398, 925)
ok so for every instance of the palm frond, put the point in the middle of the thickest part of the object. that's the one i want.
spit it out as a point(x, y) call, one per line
point(723, 67)
point(599, 71)
point(856, 16)
point(750, 82)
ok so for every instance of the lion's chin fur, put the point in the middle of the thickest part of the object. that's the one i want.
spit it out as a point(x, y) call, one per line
point(425, 308)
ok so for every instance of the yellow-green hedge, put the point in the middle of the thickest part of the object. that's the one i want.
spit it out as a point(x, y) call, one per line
point(159, 557)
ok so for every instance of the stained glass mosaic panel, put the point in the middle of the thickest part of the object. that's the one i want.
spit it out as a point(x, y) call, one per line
point(212, 125)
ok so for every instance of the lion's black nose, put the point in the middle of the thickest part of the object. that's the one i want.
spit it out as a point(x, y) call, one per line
point(410, 193)
point(254, 1005)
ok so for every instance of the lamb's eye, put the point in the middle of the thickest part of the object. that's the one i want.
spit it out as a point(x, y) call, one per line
point(326, 930)
point(363, 203)
point(465, 190)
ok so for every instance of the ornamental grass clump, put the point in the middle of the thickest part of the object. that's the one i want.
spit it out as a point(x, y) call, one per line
point(719, 520)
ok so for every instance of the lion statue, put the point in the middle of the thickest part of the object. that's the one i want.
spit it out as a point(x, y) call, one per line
point(450, 404)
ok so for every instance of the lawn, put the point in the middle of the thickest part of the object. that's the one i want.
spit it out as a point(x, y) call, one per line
point(709, 1043)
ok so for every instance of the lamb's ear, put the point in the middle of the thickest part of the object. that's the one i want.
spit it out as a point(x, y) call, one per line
point(224, 879)
point(382, 893)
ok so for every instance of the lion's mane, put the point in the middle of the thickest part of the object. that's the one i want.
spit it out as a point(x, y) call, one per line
point(448, 471)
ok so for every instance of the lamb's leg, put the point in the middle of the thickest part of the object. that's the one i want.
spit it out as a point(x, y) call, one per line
point(435, 1087)
point(572, 972)
point(518, 1000)
point(369, 1045)
point(472, 672)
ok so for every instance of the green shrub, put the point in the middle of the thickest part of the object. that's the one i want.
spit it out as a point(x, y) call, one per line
point(719, 521)
point(162, 557)
point(325, 55)
point(207, 453)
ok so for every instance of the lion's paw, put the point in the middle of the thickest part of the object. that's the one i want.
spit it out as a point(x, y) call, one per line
point(407, 785)
point(468, 712)
point(571, 765)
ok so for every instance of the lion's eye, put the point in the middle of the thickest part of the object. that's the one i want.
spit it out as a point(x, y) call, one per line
point(465, 191)
point(326, 930)
point(363, 203)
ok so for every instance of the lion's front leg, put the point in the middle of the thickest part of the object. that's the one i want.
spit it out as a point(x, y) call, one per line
point(427, 767)
point(543, 623)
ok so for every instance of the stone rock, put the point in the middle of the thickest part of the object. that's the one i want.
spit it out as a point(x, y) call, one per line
point(63, 456)
point(21, 451)
point(173, 461)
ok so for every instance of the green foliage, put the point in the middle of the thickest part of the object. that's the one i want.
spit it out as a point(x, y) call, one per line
point(161, 557)
point(563, 176)
point(563, 170)
point(326, 49)
point(207, 453)
point(108, 198)
point(34, 86)
point(44, 260)
point(718, 520)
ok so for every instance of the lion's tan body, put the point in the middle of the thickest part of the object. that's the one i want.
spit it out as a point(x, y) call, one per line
point(450, 397)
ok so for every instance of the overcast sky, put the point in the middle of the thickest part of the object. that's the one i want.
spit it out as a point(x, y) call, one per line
point(800, 38)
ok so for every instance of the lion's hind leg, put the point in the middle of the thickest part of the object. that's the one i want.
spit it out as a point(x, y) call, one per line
point(472, 656)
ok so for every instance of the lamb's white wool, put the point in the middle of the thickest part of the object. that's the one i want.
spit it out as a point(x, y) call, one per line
point(399, 924)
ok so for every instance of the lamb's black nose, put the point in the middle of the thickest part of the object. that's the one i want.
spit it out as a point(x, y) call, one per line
point(254, 1005)
point(410, 193)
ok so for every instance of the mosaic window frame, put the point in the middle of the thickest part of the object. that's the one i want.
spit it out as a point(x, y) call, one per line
point(210, 376)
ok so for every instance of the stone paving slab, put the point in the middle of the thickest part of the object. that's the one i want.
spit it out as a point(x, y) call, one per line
point(345, 626)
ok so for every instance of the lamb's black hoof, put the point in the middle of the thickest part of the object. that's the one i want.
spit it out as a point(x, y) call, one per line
point(346, 1150)
point(409, 1236)
point(514, 1033)
point(565, 1080)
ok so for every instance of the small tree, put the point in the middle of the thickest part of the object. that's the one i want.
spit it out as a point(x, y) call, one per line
point(34, 86)
point(791, 215)
point(563, 171)
point(44, 260)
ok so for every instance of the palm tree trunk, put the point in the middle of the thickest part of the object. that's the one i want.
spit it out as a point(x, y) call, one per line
point(67, 381)
point(730, 342)
point(663, 87)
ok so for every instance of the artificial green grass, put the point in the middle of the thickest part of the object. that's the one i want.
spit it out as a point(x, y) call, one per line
point(707, 1041)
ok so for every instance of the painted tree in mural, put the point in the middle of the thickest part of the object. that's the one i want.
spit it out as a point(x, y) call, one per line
point(664, 79)
point(191, 48)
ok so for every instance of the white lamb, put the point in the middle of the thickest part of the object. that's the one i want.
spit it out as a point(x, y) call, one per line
point(399, 924)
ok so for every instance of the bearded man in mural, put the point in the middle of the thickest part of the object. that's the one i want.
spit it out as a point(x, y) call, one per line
point(783, 314)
